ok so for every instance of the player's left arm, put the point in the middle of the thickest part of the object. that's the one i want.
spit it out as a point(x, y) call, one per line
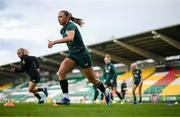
point(68, 38)
point(113, 70)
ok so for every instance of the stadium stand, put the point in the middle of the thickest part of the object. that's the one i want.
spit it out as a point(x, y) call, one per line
point(172, 89)
point(157, 45)
point(152, 80)
point(162, 83)
point(5, 86)
point(174, 86)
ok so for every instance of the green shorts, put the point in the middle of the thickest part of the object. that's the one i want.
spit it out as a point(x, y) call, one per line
point(82, 59)
point(109, 84)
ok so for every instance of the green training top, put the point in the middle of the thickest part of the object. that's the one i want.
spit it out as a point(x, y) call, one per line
point(109, 72)
point(76, 46)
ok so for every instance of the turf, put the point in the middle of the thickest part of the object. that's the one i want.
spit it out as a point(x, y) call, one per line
point(91, 110)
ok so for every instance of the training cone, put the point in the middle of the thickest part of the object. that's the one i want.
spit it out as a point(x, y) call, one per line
point(9, 104)
point(55, 104)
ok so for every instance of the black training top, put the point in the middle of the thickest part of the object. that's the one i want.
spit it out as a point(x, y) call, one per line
point(30, 65)
point(136, 74)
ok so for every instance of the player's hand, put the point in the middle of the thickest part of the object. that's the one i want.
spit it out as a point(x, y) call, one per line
point(111, 81)
point(12, 65)
point(12, 69)
point(50, 44)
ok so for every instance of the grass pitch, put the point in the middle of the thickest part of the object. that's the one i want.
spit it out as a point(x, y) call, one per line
point(91, 110)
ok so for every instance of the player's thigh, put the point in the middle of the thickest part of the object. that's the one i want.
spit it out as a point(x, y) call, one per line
point(32, 85)
point(134, 87)
point(140, 87)
point(66, 66)
point(89, 73)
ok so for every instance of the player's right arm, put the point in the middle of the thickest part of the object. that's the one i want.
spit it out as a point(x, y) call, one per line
point(68, 38)
point(18, 69)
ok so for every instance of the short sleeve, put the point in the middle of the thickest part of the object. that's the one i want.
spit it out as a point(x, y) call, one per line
point(71, 27)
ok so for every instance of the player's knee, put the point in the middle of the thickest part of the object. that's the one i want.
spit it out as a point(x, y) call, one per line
point(30, 90)
point(94, 81)
point(62, 73)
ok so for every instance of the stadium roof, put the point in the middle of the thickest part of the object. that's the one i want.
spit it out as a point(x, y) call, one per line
point(156, 44)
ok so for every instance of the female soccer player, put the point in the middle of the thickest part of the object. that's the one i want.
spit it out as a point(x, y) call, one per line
point(110, 76)
point(78, 55)
point(138, 81)
point(30, 65)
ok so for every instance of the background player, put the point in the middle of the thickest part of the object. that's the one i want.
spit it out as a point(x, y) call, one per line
point(110, 76)
point(123, 90)
point(138, 81)
point(30, 65)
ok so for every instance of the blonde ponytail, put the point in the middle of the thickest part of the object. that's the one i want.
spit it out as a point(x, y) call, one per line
point(24, 51)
